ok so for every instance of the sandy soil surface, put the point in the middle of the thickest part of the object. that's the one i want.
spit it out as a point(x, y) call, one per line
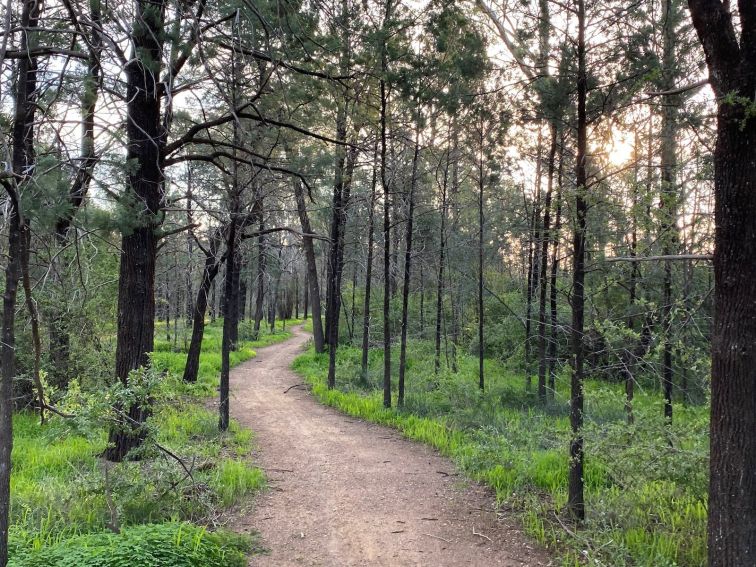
point(345, 492)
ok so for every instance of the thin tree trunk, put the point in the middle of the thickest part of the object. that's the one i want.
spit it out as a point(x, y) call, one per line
point(668, 192)
point(211, 269)
point(481, 284)
point(440, 283)
point(261, 270)
point(369, 268)
point(544, 244)
point(533, 266)
point(553, 290)
point(386, 221)
point(407, 270)
point(230, 308)
point(311, 276)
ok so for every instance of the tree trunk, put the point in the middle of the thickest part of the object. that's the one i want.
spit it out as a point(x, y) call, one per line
point(212, 266)
point(260, 297)
point(386, 220)
point(136, 283)
point(534, 271)
point(544, 244)
point(440, 283)
point(554, 318)
point(311, 275)
point(8, 358)
point(732, 487)
point(669, 191)
point(230, 312)
point(407, 269)
point(481, 285)
point(575, 499)
point(369, 268)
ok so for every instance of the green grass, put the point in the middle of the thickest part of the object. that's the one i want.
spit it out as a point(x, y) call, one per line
point(645, 484)
point(61, 489)
point(170, 544)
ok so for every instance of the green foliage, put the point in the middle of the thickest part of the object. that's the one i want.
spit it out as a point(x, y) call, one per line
point(645, 483)
point(170, 544)
point(62, 490)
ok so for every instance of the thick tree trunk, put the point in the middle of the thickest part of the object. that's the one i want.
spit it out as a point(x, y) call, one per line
point(22, 163)
point(732, 493)
point(732, 485)
point(575, 499)
point(136, 284)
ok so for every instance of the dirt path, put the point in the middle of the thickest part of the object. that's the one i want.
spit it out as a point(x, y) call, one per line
point(345, 492)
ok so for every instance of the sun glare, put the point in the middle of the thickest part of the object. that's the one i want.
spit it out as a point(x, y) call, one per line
point(619, 149)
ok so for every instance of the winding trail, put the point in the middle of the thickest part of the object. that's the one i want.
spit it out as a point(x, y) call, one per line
point(345, 492)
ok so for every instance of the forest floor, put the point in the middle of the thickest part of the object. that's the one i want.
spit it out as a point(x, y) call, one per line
point(347, 492)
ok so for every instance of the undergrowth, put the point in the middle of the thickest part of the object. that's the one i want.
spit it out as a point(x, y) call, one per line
point(65, 497)
point(645, 484)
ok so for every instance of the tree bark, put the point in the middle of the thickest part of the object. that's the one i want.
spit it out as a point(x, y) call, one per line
point(575, 499)
point(441, 260)
point(230, 312)
point(369, 268)
point(311, 276)
point(669, 191)
point(386, 218)
point(732, 487)
point(543, 266)
point(407, 270)
point(136, 283)
point(211, 269)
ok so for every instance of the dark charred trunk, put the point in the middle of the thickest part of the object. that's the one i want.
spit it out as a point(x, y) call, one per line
point(575, 499)
point(144, 196)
